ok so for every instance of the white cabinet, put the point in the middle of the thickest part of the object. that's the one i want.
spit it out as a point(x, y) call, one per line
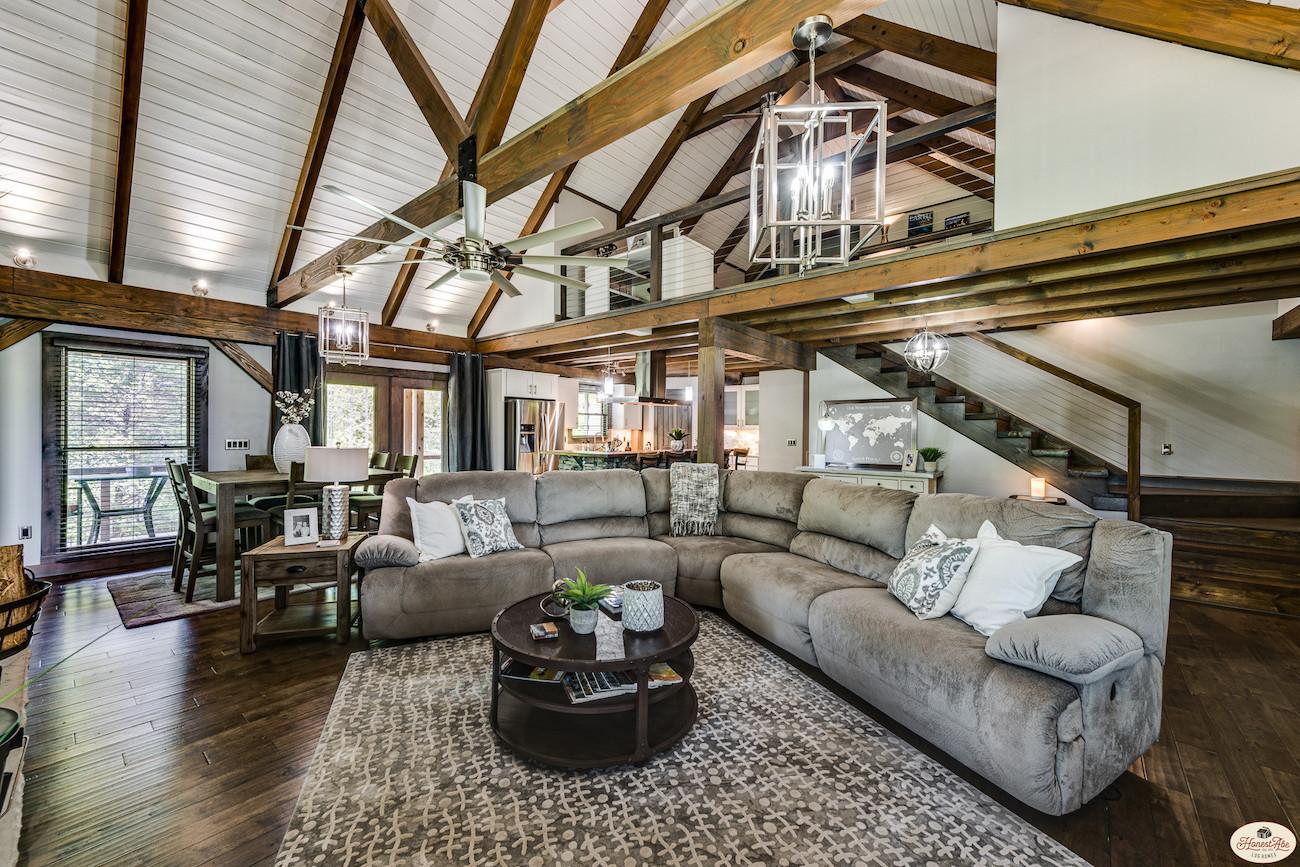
point(740, 406)
point(921, 483)
point(526, 384)
point(626, 416)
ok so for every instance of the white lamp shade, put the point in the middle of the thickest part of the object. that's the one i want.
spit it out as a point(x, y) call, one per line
point(325, 464)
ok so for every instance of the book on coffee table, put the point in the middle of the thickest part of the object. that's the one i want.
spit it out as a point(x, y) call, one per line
point(516, 670)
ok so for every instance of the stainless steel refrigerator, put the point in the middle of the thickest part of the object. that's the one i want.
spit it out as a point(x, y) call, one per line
point(526, 421)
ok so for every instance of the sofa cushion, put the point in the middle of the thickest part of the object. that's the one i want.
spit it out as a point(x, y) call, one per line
point(658, 489)
point(1073, 647)
point(517, 489)
point(464, 582)
point(770, 531)
point(616, 560)
point(767, 495)
point(847, 556)
point(771, 594)
point(1013, 725)
point(864, 514)
point(593, 528)
point(1025, 521)
point(573, 495)
point(1129, 579)
point(699, 563)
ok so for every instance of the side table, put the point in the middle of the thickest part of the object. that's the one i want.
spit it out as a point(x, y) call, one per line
point(282, 566)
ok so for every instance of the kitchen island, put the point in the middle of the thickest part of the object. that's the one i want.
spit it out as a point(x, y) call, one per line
point(579, 459)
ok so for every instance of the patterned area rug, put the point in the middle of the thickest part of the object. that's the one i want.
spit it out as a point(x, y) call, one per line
point(148, 598)
point(777, 771)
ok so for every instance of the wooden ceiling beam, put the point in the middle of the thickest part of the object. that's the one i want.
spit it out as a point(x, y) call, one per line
point(137, 21)
point(402, 282)
point(1257, 32)
point(245, 362)
point(1251, 204)
point(905, 93)
point(1285, 327)
point(19, 330)
point(830, 62)
point(439, 111)
point(957, 57)
point(739, 339)
point(735, 39)
point(336, 78)
point(671, 145)
point(499, 87)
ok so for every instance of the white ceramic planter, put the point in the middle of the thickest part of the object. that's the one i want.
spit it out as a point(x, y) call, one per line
point(931, 466)
point(582, 621)
point(643, 606)
point(678, 445)
point(290, 446)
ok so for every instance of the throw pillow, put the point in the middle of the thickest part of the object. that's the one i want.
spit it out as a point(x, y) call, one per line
point(485, 526)
point(930, 576)
point(694, 498)
point(436, 529)
point(1009, 581)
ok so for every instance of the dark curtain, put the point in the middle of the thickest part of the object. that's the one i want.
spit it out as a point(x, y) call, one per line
point(298, 368)
point(467, 414)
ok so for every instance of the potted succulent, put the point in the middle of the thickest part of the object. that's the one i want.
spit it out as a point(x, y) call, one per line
point(678, 436)
point(582, 598)
point(930, 457)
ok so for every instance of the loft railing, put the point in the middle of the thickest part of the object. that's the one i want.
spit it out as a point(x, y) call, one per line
point(1133, 429)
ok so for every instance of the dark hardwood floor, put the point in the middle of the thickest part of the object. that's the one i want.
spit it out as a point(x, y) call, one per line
point(162, 745)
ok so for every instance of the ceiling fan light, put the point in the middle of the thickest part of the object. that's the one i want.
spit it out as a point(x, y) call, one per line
point(478, 278)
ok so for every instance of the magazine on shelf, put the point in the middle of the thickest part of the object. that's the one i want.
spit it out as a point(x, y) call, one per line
point(584, 686)
point(519, 671)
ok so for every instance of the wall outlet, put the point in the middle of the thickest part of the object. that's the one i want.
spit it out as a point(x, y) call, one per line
point(1166, 448)
point(236, 445)
point(792, 443)
point(24, 533)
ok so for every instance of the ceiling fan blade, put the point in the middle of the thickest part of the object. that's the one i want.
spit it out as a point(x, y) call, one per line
point(559, 233)
point(588, 261)
point(339, 191)
point(442, 278)
point(502, 282)
point(554, 278)
point(475, 210)
point(402, 261)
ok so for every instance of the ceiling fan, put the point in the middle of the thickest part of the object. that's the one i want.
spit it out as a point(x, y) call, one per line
point(472, 257)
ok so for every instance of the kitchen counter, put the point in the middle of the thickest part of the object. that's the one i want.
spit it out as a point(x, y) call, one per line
point(578, 459)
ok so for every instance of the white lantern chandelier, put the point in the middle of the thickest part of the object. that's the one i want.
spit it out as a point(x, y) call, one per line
point(801, 173)
point(343, 331)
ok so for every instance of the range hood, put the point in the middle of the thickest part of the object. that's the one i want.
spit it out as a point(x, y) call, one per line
point(643, 394)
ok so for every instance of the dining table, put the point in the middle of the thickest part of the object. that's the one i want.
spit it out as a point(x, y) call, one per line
point(226, 486)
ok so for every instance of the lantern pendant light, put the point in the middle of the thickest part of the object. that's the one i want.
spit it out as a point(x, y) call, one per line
point(801, 172)
point(343, 332)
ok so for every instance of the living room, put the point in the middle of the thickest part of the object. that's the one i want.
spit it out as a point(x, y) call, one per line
point(665, 432)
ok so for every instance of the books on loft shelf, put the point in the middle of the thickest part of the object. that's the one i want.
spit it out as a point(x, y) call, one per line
point(584, 686)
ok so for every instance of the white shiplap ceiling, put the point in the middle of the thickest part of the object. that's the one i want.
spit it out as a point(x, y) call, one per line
point(228, 97)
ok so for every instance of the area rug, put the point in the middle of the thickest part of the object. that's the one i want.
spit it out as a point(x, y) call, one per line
point(777, 771)
point(148, 598)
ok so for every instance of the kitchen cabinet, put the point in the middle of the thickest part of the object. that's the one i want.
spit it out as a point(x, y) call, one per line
point(740, 406)
point(626, 416)
point(526, 384)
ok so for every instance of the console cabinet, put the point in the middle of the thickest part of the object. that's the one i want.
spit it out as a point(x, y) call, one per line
point(921, 483)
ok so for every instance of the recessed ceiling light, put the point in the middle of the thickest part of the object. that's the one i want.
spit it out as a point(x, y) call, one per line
point(200, 287)
point(432, 327)
point(23, 258)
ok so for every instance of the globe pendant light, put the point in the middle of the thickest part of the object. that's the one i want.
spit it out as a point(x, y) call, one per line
point(926, 351)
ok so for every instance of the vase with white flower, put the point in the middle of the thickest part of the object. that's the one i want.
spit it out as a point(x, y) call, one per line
point(292, 439)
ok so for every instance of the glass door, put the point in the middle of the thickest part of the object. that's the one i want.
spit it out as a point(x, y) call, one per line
point(422, 412)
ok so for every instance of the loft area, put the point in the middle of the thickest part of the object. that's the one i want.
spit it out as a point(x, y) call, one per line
point(429, 442)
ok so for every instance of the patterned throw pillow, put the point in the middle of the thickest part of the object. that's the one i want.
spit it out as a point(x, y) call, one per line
point(486, 527)
point(932, 572)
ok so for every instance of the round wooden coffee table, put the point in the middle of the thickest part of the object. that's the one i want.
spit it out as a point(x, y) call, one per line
point(536, 719)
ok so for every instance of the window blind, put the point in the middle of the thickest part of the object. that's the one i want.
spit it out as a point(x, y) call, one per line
point(114, 414)
point(593, 412)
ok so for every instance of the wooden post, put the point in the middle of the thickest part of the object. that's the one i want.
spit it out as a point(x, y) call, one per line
point(807, 417)
point(713, 386)
point(1135, 463)
point(657, 263)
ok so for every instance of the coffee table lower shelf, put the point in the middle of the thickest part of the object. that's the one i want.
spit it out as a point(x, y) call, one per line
point(575, 740)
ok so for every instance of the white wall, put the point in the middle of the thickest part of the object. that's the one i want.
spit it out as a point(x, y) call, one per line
point(1090, 117)
point(968, 468)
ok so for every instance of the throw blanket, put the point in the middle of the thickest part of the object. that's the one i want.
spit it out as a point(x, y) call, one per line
point(694, 498)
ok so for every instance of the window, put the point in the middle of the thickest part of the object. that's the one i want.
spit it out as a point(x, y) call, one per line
point(593, 412)
point(350, 415)
point(114, 412)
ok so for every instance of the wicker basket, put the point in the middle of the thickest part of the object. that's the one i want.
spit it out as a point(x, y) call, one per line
point(21, 595)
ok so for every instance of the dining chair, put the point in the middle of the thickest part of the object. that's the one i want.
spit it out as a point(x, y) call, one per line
point(367, 506)
point(647, 460)
point(259, 462)
point(197, 538)
point(740, 458)
point(291, 499)
point(270, 501)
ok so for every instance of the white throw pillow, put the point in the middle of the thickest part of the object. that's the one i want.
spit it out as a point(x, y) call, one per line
point(436, 528)
point(1009, 581)
point(930, 576)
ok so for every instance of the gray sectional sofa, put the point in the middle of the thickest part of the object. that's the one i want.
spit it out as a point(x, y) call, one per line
point(802, 562)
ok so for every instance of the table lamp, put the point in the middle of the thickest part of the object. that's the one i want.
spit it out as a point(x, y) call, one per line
point(337, 466)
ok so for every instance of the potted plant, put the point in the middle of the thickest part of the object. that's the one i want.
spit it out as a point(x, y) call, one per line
point(678, 436)
point(930, 457)
point(582, 598)
point(292, 439)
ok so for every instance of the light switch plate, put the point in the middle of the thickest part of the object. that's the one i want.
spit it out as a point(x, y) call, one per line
point(1166, 448)
point(24, 533)
point(792, 442)
point(236, 445)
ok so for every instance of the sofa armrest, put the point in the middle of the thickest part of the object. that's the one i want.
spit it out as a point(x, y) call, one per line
point(1073, 647)
point(382, 550)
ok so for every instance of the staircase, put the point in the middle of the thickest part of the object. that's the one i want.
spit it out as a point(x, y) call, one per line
point(1237, 562)
point(1066, 467)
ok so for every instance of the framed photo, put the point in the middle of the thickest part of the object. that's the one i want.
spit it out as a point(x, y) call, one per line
point(911, 459)
point(301, 526)
point(870, 433)
point(957, 220)
point(920, 224)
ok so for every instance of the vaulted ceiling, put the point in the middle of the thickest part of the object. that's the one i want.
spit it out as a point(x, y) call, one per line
point(229, 92)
